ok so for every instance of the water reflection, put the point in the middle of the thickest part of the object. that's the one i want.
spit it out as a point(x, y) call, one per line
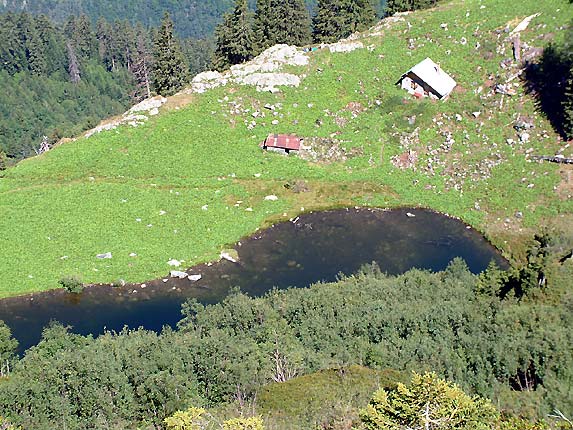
point(315, 247)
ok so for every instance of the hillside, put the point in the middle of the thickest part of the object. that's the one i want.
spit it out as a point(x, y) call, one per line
point(170, 187)
point(192, 18)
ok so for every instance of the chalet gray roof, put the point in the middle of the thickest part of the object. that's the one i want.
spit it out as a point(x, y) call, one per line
point(433, 75)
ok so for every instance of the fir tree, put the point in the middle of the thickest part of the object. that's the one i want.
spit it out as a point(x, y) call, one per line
point(278, 21)
point(142, 66)
point(103, 35)
point(361, 15)
point(393, 6)
point(264, 25)
point(292, 22)
point(234, 37)
point(36, 52)
point(336, 19)
point(170, 72)
point(73, 64)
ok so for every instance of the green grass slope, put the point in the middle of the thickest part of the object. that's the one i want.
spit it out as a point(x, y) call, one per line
point(170, 188)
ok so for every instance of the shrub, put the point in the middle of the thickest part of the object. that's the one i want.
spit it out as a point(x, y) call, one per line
point(72, 284)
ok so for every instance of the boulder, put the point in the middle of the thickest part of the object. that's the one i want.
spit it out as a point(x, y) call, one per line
point(177, 274)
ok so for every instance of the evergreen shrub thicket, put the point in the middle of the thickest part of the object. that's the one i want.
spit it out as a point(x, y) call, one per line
point(450, 322)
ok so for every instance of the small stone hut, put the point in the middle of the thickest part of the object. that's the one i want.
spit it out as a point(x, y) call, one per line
point(427, 79)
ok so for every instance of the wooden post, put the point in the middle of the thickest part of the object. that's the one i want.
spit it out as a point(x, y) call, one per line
point(517, 48)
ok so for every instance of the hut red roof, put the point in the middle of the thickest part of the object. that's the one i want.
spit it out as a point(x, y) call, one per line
point(284, 141)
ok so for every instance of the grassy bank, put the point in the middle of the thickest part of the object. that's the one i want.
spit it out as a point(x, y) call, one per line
point(192, 181)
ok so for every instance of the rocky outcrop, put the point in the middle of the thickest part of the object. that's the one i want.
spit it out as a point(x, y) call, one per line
point(263, 72)
point(134, 116)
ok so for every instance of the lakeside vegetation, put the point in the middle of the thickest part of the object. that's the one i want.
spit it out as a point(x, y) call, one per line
point(509, 342)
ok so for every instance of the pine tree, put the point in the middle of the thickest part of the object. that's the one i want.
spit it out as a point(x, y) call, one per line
point(103, 36)
point(234, 37)
point(52, 40)
point(281, 21)
point(170, 72)
point(292, 22)
point(393, 6)
point(73, 64)
point(336, 19)
point(36, 52)
point(142, 64)
point(361, 15)
point(264, 25)
point(12, 50)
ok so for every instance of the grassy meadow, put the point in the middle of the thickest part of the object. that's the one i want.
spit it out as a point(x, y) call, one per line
point(193, 180)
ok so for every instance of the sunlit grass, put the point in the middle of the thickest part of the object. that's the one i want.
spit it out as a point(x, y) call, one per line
point(58, 210)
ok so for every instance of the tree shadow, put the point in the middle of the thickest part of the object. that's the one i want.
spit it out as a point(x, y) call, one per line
point(546, 81)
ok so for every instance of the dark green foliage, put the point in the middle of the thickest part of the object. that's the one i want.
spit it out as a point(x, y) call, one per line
point(393, 6)
point(518, 353)
point(281, 22)
point(234, 37)
point(336, 19)
point(199, 53)
point(72, 284)
point(8, 346)
point(192, 18)
point(170, 71)
point(57, 82)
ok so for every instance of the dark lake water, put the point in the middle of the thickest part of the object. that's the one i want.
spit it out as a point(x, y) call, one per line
point(313, 247)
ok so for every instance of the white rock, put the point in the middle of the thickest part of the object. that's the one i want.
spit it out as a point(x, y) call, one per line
point(410, 215)
point(344, 46)
point(271, 198)
point(226, 256)
point(104, 256)
point(148, 104)
point(174, 263)
point(177, 274)
point(205, 207)
point(194, 278)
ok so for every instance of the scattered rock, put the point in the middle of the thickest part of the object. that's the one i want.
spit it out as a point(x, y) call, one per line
point(174, 263)
point(226, 256)
point(178, 274)
point(194, 278)
point(104, 256)
point(410, 215)
point(271, 198)
point(132, 117)
point(344, 46)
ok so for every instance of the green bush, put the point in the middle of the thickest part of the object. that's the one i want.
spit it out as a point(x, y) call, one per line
point(72, 284)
